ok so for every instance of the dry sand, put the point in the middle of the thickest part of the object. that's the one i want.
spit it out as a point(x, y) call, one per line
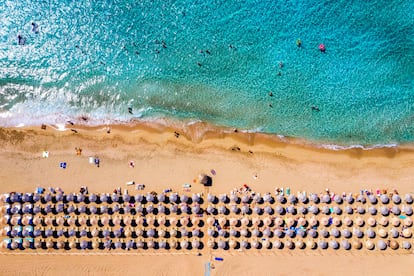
point(164, 161)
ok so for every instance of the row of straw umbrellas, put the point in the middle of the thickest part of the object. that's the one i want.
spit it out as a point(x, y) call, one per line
point(20, 243)
point(170, 197)
point(211, 209)
point(197, 198)
point(126, 244)
point(107, 232)
point(302, 244)
point(104, 220)
point(371, 199)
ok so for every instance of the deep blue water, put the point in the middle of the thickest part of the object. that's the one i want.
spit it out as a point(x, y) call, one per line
point(97, 58)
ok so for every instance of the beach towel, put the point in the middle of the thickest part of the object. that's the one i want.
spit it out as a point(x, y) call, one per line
point(62, 165)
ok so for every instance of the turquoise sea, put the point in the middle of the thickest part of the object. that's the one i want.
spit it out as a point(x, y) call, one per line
point(214, 61)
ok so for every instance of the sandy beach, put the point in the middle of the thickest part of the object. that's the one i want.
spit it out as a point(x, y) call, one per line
point(168, 158)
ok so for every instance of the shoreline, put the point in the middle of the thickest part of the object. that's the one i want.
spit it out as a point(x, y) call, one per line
point(197, 131)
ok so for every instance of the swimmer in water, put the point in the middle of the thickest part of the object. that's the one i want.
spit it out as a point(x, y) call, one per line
point(35, 28)
point(21, 40)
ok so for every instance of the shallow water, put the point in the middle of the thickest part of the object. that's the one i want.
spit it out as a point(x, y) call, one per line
point(97, 59)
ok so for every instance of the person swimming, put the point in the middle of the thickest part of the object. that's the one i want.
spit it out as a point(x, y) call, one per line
point(35, 28)
point(21, 40)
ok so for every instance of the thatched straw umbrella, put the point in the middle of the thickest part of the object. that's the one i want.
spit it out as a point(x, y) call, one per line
point(313, 221)
point(406, 245)
point(348, 221)
point(370, 233)
point(346, 233)
point(268, 210)
point(234, 198)
point(384, 211)
point(291, 210)
point(336, 221)
point(59, 220)
point(234, 233)
point(267, 232)
point(408, 198)
point(349, 198)
point(49, 244)
point(302, 221)
point(256, 244)
point(184, 221)
point(300, 244)
point(257, 210)
point(161, 209)
point(334, 244)
point(233, 244)
point(277, 244)
point(335, 232)
point(278, 221)
point(345, 245)
point(173, 197)
point(162, 244)
point(361, 199)
point(372, 210)
point(223, 198)
point(361, 210)
point(151, 232)
point(324, 221)
point(292, 199)
point(384, 199)
point(314, 198)
point(290, 233)
point(245, 199)
point(281, 199)
point(408, 210)
point(184, 198)
point(244, 232)
point(151, 243)
point(245, 221)
point(408, 222)
point(139, 232)
point(256, 232)
point(268, 221)
point(383, 221)
point(196, 198)
point(174, 232)
point(311, 244)
point(381, 245)
point(382, 233)
point(174, 221)
point(140, 244)
point(280, 210)
point(372, 198)
point(312, 233)
point(279, 233)
point(211, 209)
point(394, 233)
point(349, 210)
point(222, 210)
point(184, 232)
point(394, 245)
point(233, 221)
point(396, 198)
point(357, 244)
point(407, 233)
point(211, 198)
point(211, 232)
point(256, 221)
point(245, 209)
point(103, 198)
point(395, 222)
point(139, 208)
point(326, 198)
point(115, 197)
point(211, 243)
point(337, 199)
point(359, 221)
point(396, 210)
point(302, 210)
point(324, 233)
point(369, 245)
point(371, 221)
point(138, 198)
point(195, 243)
point(235, 209)
point(289, 244)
